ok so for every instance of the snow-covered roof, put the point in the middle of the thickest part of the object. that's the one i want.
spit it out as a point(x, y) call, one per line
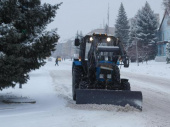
point(111, 31)
point(166, 13)
point(162, 42)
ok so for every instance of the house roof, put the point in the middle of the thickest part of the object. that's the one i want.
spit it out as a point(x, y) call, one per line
point(111, 31)
point(166, 12)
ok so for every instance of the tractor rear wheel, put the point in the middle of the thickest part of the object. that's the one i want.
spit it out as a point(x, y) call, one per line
point(76, 78)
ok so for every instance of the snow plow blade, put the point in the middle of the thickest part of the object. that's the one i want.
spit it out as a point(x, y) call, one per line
point(119, 98)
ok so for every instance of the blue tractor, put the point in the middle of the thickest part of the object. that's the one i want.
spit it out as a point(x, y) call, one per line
point(96, 75)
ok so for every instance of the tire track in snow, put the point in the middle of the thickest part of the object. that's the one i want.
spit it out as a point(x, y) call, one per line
point(62, 80)
point(161, 83)
point(156, 97)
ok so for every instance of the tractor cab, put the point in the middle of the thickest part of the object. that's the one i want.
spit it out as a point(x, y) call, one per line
point(106, 48)
point(96, 75)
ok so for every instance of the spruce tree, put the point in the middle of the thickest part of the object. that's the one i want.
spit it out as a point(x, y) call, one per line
point(121, 26)
point(132, 31)
point(147, 25)
point(24, 43)
point(166, 4)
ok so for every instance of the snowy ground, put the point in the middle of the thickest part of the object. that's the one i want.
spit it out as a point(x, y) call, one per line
point(50, 87)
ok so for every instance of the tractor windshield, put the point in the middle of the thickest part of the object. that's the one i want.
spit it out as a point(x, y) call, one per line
point(105, 43)
point(106, 50)
point(88, 45)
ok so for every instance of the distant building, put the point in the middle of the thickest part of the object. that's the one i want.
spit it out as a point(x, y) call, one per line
point(66, 49)
point(163, 37)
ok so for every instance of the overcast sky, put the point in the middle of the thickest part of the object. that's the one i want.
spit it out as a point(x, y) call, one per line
point(86, 15)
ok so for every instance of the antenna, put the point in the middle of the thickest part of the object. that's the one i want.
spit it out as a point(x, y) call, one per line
point(103, 23)
point(77, 34)
point(107, 24)
point(108, 14)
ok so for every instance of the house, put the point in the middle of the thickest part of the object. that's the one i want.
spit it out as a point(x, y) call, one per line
point(163, 37)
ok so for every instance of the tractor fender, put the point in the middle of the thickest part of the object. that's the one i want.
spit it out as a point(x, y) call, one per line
point(76, 63)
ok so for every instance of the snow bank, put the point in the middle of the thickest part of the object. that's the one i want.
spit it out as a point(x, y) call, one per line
point(151, 68)
point(93, 107)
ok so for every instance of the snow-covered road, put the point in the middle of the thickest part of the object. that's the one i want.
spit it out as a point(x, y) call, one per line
point(156, 97)
point(51, 88)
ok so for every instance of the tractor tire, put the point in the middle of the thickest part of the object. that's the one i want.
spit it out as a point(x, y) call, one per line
point(116, 75)
point(126, 85)
point(76, 78)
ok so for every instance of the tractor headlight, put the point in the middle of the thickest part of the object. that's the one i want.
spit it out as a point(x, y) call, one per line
point(108, 39)
point(106, 58)
point(101, 76)
point(109, 76)
point(91, 38)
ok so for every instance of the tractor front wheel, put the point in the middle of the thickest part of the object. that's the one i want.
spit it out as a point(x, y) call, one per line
point(125, 85)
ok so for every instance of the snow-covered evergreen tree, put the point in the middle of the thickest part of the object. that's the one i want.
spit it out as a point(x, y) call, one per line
point(166, 4)
point(132, 31)
point(121, 26)
point(147, 25)
point(168, 52)
point(23, 42)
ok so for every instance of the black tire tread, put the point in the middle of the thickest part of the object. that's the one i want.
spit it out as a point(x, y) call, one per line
point(116, 75)
point(126, 85)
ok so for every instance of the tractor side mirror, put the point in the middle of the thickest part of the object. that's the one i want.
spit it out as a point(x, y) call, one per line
point(126, 62)
point(77, 42)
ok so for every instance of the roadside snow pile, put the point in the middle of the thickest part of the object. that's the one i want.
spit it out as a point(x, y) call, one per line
point(103, 107)
point(18, 100)
point(151, 68)
point(9, 98)
point(92, 107)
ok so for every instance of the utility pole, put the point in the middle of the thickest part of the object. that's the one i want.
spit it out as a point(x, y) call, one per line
point(137, 60)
